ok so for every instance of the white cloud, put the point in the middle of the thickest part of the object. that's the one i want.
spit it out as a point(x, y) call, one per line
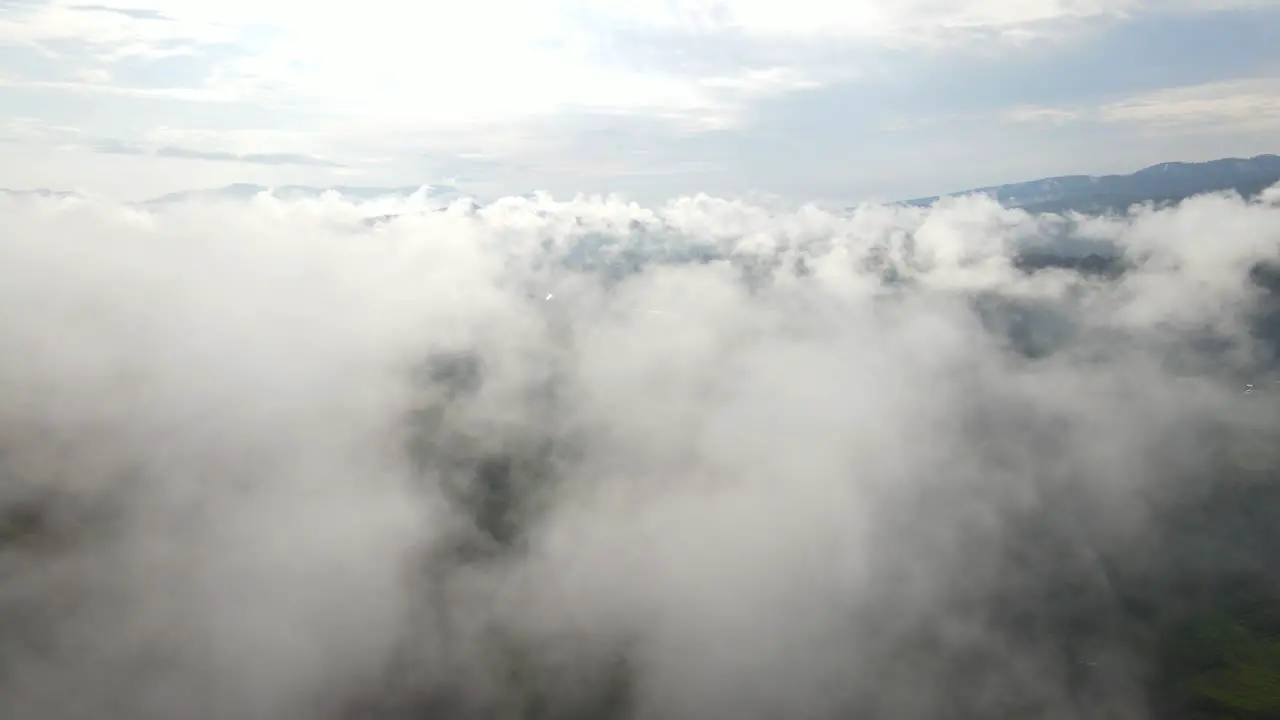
point(756, 495)
point(246, 141)
point(75, 164)
point(112, 35)
point(1031, 114)
point(379, 80)
point(913, 21)
point(1232, 106)
point(450, 65)
point(1245, 105)
point(96, 82)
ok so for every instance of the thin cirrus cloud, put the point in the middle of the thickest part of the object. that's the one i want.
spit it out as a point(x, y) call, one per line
point(112, 147)
point(1223, 107)
point(259, 158)
point(134, 13)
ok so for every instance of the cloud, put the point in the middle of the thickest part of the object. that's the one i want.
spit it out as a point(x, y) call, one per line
point(1229, 106)
point(115, 147)
point(1233, 106)
point(1054, 116)
point(264, 460)
point(382, 81)
point(29, 133)
point(283, 158)
point(94, 38)
point(689, 59)
point(132, 13)
point(914, 22)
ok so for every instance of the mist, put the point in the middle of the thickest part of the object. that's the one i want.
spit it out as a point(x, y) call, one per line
point(583, 458)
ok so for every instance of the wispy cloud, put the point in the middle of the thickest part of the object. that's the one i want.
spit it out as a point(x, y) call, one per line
point(541, 60)
point(134, 13)
point(384, 83)
point(97, 82)
point(257, 158)
point(1029, 114)
point(1231, 106)
point(116, 147)
point(1228, 106)
point(113, 146)
point(106, 32)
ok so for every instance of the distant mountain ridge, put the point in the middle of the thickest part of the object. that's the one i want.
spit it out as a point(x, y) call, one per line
point(1165, 182)
point(1162, 183)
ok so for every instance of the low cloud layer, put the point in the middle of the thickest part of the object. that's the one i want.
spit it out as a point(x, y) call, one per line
point(265, 460)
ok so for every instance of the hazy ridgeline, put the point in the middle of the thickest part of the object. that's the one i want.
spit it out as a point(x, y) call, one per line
point(261, 460)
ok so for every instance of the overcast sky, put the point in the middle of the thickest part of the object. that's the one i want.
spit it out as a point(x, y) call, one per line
point(808, 99)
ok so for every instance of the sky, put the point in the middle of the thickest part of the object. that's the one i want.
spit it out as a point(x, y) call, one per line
point(806, 99)
point(783, 461)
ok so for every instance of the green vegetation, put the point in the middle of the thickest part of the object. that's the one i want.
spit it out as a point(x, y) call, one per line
point(1218, 650)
